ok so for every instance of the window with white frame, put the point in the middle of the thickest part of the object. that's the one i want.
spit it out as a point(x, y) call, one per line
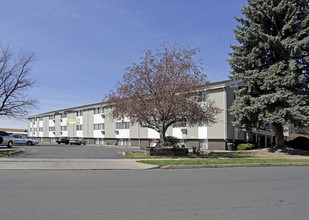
point(51, 117)
point(40, 129)
point(52, 128)
point(122, 125)
point(41, 118)
point(64, 115)
point(79, 113)
point(99, 126)
point(64, 128)
point(79, 127)
point(99, 110)
point(123, 142)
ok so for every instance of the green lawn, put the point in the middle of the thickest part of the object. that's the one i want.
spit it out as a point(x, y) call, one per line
point(140, 155)
point(7, 152)
point(220, 161)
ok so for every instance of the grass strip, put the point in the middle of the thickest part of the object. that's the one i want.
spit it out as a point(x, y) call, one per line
point(4, 153)
point(220, 161)
point(140, 155)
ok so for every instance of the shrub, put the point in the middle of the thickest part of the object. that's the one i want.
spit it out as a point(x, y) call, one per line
point(171, 141)
point(245, 146)
point(301, 143)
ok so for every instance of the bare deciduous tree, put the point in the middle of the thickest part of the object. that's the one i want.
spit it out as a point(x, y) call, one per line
point(14, 83)
point(162, 90)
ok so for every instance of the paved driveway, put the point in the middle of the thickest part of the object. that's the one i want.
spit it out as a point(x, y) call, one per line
point(73, 151)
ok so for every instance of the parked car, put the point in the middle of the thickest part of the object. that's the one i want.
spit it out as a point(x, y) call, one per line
point(64, 140)
point(6, 139)
point(19, 139)
point(77, 140)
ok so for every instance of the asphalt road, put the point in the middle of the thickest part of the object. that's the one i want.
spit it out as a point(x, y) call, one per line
point(234, 193)
point(72, 151)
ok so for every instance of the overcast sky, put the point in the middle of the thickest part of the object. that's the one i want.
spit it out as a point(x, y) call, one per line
point(83, 46)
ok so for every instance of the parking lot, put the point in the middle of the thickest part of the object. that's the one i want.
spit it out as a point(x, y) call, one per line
point(50, 150)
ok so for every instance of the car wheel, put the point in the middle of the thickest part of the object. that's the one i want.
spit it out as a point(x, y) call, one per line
point(58, 142)
point(10, 144)
point(29, 143)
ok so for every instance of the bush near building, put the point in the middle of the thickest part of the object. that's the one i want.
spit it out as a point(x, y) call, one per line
point(301, 143)
point(246, 146)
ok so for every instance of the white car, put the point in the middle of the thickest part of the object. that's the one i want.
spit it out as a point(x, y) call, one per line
point(19, 139)
point(6, 139)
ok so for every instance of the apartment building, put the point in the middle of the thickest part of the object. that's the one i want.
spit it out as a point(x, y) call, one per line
point(94, 123)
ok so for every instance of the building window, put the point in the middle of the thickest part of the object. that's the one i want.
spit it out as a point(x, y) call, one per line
point(41, 118)
point(99, 126)
point(41, 129)
point(64, 128)
point(64, 115)
point(79, 113)
point(30, 129)
point(52, 128)
point(99, 141)
point(79, 127)
point(122, 125)
point(202, 96)
point(51, 117)
point(35, 129)
point(123, 142)
point(99, 110)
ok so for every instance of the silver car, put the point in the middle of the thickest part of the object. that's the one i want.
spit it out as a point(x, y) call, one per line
point(19, 139)
point(6, 139)
point(77, 140)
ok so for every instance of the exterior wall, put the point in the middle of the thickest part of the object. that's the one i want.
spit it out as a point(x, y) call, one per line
point(88, 122)
point(110, 125)
point(216, 144)
point(217, 131)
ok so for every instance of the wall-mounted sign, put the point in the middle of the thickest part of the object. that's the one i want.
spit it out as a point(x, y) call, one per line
point(73, 121)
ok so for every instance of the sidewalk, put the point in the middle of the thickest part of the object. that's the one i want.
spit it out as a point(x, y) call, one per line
point(72, 164)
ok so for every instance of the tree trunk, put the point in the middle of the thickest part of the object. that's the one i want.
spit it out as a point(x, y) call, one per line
point(162, 136)
point(279, 137)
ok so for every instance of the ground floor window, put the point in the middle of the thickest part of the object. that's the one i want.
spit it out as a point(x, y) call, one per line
point(100, 141)
point(204, 144)
point(123, 142)
point(52, 140)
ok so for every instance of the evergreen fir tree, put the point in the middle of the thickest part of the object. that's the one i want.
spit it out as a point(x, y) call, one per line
point(272, 62)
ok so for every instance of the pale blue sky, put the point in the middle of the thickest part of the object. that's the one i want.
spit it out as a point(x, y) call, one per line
point(83, 46)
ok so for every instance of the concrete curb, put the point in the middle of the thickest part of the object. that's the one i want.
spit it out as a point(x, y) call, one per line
point(232, 165)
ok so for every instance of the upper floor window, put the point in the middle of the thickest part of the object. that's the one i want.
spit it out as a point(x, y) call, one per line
point(99, 126)
point(64, 115)
point(79, 113)
point(51, 117)
point(202, 96)
point(52, 128)
point(64, 128)
point(41, 118)
point(122, 125)
point(99, 110)
point(41, 129)
point(79, 127)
